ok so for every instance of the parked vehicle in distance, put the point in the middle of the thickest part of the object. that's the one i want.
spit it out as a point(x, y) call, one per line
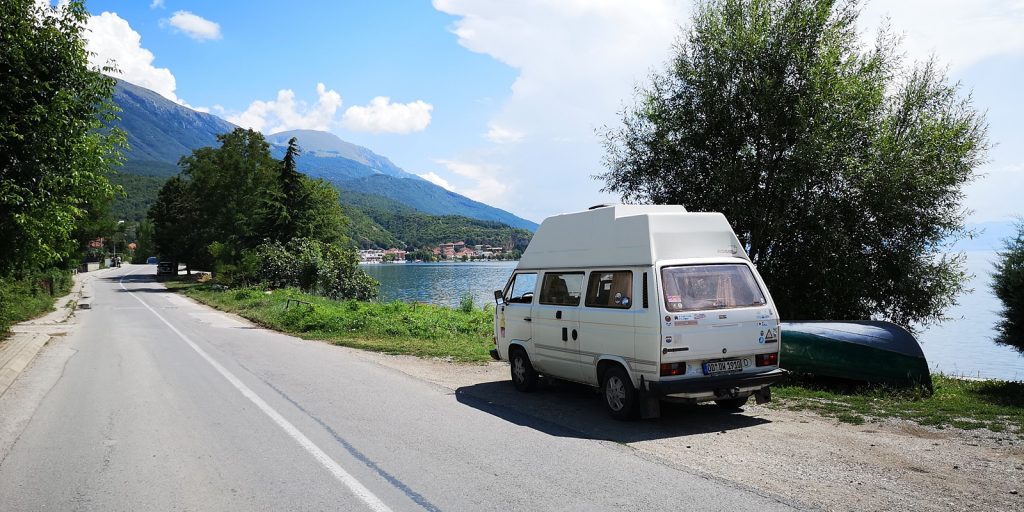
point(647, 303)
point(167, 268)
point(151, 260)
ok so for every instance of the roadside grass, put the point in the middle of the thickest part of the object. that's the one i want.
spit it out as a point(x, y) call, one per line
point(965, 404)
point(423, 330)
point(27, 298)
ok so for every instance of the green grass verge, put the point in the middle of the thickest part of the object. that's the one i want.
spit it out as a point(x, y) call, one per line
point(422, 330)
point(27, 298)
point(966, 404)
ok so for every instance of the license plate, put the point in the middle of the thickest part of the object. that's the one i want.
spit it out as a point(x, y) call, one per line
point(727, 366)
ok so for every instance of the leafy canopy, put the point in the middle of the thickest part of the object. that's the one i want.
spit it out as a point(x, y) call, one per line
point(54, 154)
point(1008, 285)
point(840, 169)
point(238, 211)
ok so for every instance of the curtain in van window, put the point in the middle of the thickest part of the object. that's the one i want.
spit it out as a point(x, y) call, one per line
point(610, 289)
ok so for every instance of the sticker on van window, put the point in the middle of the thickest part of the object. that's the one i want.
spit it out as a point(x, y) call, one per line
point(674, 298)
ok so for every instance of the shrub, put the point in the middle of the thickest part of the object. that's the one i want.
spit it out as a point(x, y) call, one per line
point(310, 265)
point(1008, 285)
point(25, 297)
point(466, 303)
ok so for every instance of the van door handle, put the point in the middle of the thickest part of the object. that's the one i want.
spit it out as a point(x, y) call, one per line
point(558, 315)
point(565, 334)
point(574, 334)
point(527, 319)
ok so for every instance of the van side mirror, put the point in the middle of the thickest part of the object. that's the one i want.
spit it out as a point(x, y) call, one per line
point(498, 297)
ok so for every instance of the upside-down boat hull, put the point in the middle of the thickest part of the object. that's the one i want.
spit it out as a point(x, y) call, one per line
point(868, 351)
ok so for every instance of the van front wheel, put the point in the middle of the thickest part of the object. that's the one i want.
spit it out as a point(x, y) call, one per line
point(524, 377)
point(619, 394)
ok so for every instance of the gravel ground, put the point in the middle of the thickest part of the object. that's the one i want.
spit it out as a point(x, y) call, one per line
point(806, 459)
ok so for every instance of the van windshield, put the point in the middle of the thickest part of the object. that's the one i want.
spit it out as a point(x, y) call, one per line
point(701, 287)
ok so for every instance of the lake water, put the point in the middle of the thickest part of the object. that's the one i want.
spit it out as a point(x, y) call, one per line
point(961, 346)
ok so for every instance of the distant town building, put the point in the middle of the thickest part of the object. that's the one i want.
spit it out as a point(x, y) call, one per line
point(459, 250)
point(382, 256)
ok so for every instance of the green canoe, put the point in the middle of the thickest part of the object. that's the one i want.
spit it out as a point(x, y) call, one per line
point(867, 351)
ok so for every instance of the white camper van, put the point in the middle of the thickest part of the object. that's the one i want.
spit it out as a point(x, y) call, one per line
point(648, 303)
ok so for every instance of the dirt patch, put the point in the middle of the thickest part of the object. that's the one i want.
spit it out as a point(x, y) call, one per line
point(798, 455)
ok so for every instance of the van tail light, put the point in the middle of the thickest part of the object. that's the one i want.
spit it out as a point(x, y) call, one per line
point(670, 369)
point(764, 359)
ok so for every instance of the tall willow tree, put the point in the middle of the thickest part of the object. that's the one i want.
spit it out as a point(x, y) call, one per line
point(840, 168)
point(54, 154)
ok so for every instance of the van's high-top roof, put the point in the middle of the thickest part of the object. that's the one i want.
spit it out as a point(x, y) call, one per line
point(629, 235)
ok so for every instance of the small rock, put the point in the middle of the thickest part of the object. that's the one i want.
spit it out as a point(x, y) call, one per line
point(687, 446)
point(956, 467)
point(1013, 491)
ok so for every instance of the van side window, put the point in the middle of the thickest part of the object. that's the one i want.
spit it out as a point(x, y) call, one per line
point(610, 289)
point(562, 289)
point(520, 291)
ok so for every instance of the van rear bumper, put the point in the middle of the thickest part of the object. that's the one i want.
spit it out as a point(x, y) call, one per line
point(714, 384)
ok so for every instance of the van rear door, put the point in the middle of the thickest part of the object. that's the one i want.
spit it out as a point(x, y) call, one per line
point(715, 311)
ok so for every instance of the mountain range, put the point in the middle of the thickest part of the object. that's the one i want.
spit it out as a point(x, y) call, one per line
point(160, 132)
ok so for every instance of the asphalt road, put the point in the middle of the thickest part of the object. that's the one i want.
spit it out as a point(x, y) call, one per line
point(156, 403)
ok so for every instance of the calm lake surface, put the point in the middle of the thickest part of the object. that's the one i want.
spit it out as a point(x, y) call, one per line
point(961, 346)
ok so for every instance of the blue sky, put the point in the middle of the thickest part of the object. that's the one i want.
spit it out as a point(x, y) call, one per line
point(499, 100)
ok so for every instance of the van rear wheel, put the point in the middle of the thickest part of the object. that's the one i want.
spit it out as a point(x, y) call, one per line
point(618, 392)
point(732, 404)
point(524, 377)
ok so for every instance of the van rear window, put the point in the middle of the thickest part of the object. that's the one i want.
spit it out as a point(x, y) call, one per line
point(702, 287)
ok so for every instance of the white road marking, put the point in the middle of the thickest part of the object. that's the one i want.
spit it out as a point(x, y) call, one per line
point(326, 461)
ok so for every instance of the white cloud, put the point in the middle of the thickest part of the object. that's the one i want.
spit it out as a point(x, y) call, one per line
point(959, 33)
point(382, 116)
point(437, 180)
point(196, 27)
point(286, 113)
point(156, 4)
point(501, 135)
point(111, 38)
point(578, 61)
point(485, 186)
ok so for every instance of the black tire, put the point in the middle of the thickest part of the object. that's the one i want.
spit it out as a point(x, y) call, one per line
point(620, 397)
point(524, 377)
point(733, 404)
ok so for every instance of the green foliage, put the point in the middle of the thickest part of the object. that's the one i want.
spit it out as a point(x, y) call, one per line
point(840, 170)
point(398, 328)
point(140, 193)
point(1008, 285)
point(466, 303)
point(178, 234)
point(309, 265)
point(54, 156)
point(379, 222)
point(231, 199)
point(25, 298)
point(145, 244)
